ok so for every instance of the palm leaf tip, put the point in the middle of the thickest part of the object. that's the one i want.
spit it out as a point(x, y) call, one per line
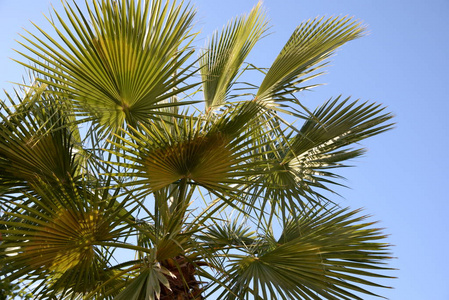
point(324, 140)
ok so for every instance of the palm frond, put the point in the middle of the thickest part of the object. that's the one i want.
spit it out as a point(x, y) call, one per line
point(301, 171)
point(147, 284)
point(56, 237)
point(322, 254)
point(212, 152)
point(226, 235)
point(118, 61)
point(221, 60)
point(311, 43)
point(36, 142)
point(320, 143)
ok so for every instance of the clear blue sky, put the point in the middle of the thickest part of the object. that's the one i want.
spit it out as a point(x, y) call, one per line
point(404, 64)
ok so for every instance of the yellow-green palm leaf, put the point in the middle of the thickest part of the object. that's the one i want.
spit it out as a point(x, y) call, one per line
point(222, 59)
point(211, 150)
point(37, 141)
point(118, 60)
point(309, 46)
point(57, 238)
point(302, 168)
point(322, 254)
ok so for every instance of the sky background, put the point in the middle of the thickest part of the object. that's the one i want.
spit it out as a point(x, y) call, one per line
point(402, 63)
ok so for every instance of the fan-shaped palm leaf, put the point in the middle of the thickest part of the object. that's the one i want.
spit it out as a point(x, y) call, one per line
point(322, 254)
point(301, 170)
point(228, 235)
point(310, 44)
point(117, 61)
point(56, 238)
point(221, 61)
point(36, 142)
point(213, 151)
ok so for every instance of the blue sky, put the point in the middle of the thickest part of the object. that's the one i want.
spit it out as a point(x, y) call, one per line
point(402, 63)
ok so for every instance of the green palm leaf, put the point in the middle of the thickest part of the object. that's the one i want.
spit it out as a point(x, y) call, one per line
point(56, 238)
point(301, 171)
point(228, 235)
point(323, 141)
point(221, 61)
point(211, 151)
point(36, 142)
point(311, 43)
point(117, 61)
point(337, 124)
point(322, 254)
point(147, 285)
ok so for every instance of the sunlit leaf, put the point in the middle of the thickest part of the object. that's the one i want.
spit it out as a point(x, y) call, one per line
point(310, 45)
point(322, 254)
point(221, 61)
point(115, 60)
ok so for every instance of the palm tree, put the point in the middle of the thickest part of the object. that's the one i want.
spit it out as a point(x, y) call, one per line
point(112, 189)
